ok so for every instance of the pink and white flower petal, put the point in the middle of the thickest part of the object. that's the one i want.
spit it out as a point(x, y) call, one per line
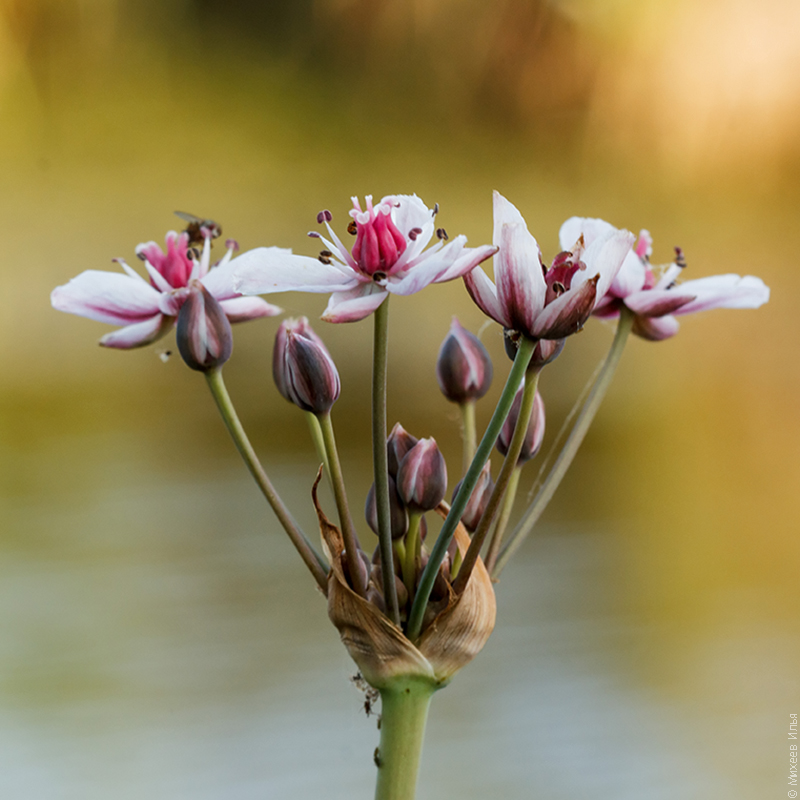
point(518, 274)
point(724, 291)
point(355, 304)
point(466, 261)
point(241, 309)
point(453, 258)
point(505, 213)
point(409, 213)
point(630, 278)
point(138, 334)
point(604, 257)
point(567, 313)
point(655, 329)
point(591, 229)
point(107, 297)
point(658, 302)
point(274, 269)
point(484, 294)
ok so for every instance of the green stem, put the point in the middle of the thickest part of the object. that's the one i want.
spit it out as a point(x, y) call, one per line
point(404, 711)
point(319, 445)
point(502, 520)
point(521, 361)
point(469, 436)
point(503, 479)
point(349, 534)
point(567, 454)
point(409, 562)
point(315, 562)
point(380, 459)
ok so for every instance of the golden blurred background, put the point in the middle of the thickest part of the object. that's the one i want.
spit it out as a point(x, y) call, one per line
point(155, 642)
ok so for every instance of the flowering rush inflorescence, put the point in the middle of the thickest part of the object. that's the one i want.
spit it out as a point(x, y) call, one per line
point(420, 607)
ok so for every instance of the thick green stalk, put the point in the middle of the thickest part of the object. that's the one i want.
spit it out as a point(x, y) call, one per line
point(469, 436)
point(349, 534)
point(502, 521)
point(576, 436)
point(409, 561)
point(503, 479)
point(312, 559)
point(404, 711)
point(518, 369)
point(380, 460)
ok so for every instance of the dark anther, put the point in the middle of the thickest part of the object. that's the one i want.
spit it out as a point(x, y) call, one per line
point(325, 259)
point(558, 288)
point(324, 216)
point(441, 233)
point(326, 253)
point(680, 258)
point(413, 233)
point(195, 253)
point(314, 235)
point(379, 276)
point(140, 256)
point(435, 209)
point(352, 228)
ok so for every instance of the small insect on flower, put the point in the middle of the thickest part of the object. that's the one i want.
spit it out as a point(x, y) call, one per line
point(195, 226)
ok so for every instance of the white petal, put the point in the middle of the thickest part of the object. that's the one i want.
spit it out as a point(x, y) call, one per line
point(355, 304)
point(659, 302)
point(630, 278)
point(505, 213)
point(427, 269)
point(591, 229)
point(138, 334)
point(107, 297)
point(411, 213)
point(274, 269)
point(724, 291)
point(604, 257)
point(467, 261)
point(655, 329)
point(521, 287)
point(241, 309)
point(484, 293)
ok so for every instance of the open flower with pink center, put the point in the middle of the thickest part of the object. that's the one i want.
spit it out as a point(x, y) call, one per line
point(146, 310)
point(534, 300)
point(387, 257)
point(657, 300)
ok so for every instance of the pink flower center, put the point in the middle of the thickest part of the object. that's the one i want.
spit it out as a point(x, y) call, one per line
point(175, 265)
point(559, 277)
point(379, 244)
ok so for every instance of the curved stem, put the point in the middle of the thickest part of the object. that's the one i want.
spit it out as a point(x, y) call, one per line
point(380, 460)
point(576, 436)
point(521, 361)
point(409, 561)
point(502, 521)
point(404, 712)
point(349, 534)
point(312, 559)
point(469, 436)
point(503, 479)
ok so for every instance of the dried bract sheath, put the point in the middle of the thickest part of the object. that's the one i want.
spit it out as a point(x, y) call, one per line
point(422, 477)
point(463, 369)
point(204, 336)
point(534, 434)
point(302, 367)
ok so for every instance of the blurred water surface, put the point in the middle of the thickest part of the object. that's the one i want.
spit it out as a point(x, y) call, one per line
point(159, 638)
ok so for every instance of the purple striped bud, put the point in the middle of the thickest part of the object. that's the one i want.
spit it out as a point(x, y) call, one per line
point(400, 441)
point(479, 499)
point(422, 477)
point(302, 367)
point(204, 336)
point(546, 350)
point(397, 510)
point(464, 369)
point(534, 434)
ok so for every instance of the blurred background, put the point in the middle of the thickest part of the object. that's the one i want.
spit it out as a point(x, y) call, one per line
point(159, 637)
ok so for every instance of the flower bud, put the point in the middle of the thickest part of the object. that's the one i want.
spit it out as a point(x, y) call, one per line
point(204, 336)
point(302, 367)
point(397, 510)
point(422, 477)
point(479, 499)
point(534, 434)
point(464, 369)
point(400, 441)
